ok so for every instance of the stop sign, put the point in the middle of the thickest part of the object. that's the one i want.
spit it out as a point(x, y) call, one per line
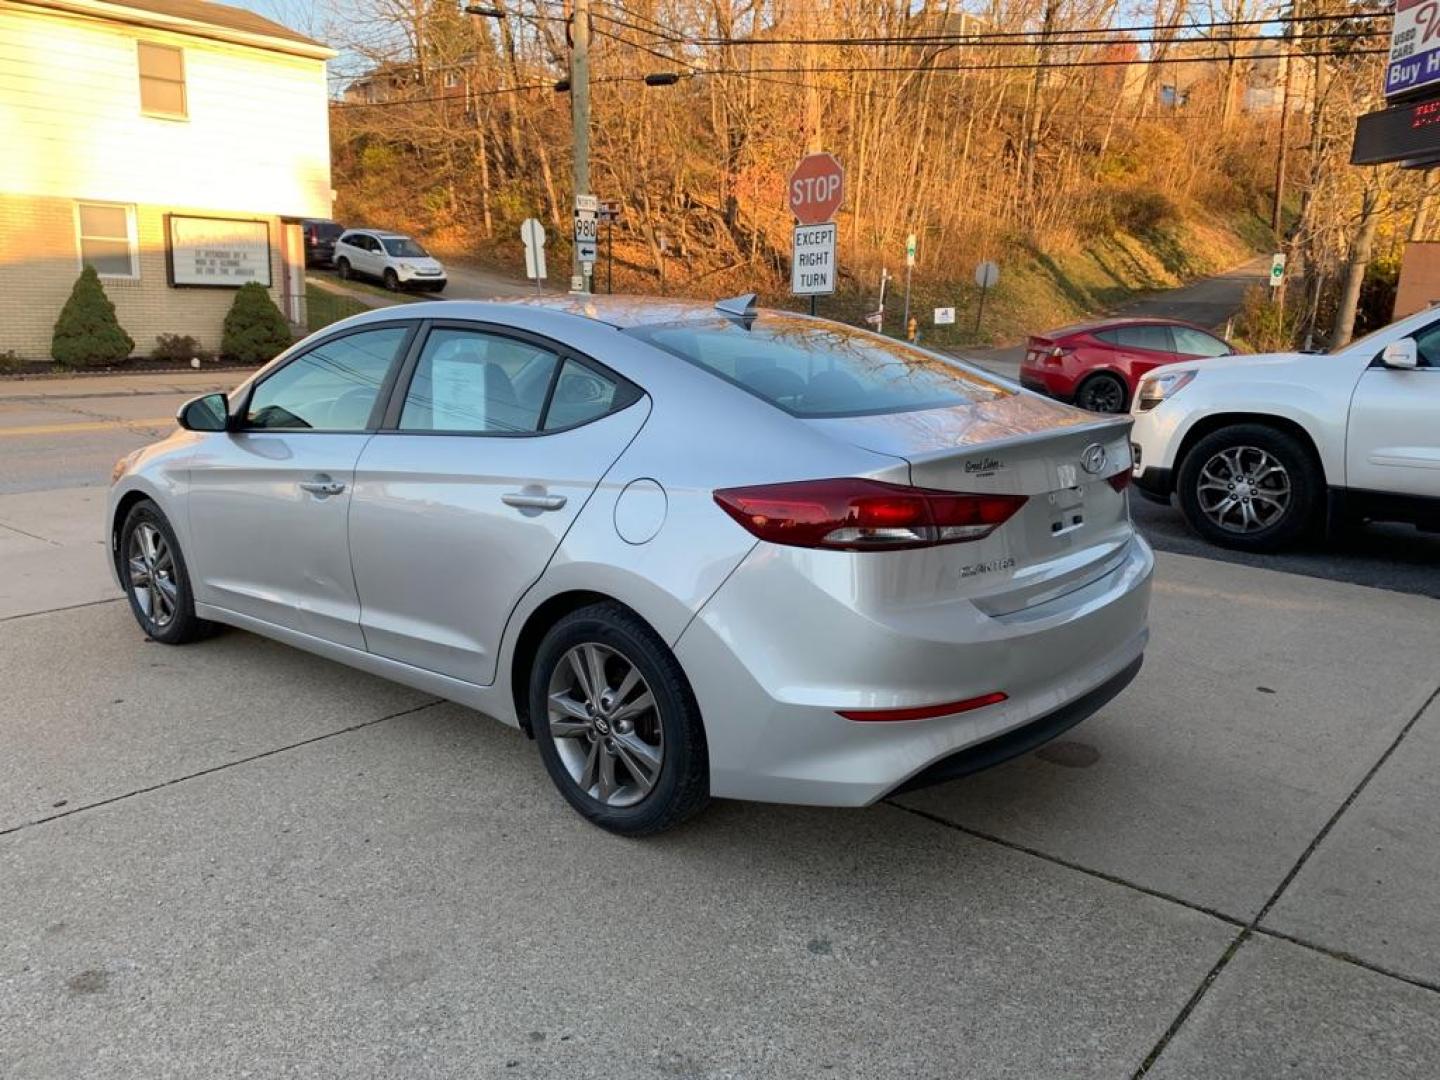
point(816, 187)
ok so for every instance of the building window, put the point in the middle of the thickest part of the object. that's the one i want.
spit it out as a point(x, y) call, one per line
point(162, 80)
point(106, 235)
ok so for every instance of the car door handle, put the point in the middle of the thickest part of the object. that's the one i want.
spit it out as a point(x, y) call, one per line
point(526, 501)
point(322, 486)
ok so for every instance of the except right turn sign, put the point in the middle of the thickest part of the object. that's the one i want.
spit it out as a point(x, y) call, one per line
point(814, 192)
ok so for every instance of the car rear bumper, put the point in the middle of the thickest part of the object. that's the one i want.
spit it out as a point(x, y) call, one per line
point(771, 661)
point(1050, 383)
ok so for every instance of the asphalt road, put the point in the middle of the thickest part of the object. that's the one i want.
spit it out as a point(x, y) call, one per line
point(1384, 556)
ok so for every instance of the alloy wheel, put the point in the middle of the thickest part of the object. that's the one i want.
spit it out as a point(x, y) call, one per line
point(1103, 395)
point(605, 725)
point(152, 575)
point(1243, 489)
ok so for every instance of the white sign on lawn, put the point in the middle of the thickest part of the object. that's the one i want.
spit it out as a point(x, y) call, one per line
point(812, 260)
point(218, 252)
point(532, 234)
point(944, 316)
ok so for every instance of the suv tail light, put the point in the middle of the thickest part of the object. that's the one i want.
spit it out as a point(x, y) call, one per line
point(864, 515)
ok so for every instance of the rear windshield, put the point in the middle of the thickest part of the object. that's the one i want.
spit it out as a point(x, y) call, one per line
point(403, 246)
point(327, 230)
point(820, 369)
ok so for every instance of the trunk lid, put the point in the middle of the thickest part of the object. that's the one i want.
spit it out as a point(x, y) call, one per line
point(1075, 525)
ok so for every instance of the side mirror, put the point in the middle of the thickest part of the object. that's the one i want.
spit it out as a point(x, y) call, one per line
point(208, 413)
point(1401, 355)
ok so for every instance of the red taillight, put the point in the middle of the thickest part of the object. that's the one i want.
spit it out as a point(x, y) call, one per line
point(1120, 481)
point(864, 515)
point(922, 712)
point(1058, 354)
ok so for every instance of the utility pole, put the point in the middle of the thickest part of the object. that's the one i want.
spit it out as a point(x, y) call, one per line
point(580, 117)
point(1277, 209)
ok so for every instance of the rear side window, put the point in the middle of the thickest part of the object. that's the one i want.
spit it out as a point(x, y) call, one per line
point(470, 381)
point(1146, 336)
point(581, 395)
point(1192, 342)
point(820, 369)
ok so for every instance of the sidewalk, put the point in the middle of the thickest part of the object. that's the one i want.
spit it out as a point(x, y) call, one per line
point(120, 384)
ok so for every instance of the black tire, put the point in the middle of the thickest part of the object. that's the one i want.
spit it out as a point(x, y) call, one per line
point(1103, 393)
point(1299, 507)
point(182, 626)
point(392, 280)
point(342, 269)
point(682, 788)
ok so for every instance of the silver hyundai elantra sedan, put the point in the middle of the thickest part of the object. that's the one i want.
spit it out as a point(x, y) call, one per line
point(690, 550)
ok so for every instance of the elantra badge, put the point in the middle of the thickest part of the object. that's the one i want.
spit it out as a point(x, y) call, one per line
point(1093, 459)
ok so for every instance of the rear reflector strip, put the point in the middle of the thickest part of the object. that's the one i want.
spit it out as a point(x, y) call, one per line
point(922, 712)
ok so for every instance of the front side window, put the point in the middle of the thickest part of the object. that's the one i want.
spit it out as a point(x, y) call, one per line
point(1192, 342)
point(106, 236)
point(162, 80)
point(1146, 336)
point(332, 387)
point(403, 247)
point(818, 369)
point(471, 382)
point(1427, 345)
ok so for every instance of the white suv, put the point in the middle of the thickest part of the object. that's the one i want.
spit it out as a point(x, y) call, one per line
point(396, 260)
point(1258, 449)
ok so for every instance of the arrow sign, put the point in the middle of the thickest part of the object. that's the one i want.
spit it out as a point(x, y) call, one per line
point(816, 189)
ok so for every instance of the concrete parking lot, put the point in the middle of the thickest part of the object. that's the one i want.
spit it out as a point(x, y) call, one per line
point(234, 859)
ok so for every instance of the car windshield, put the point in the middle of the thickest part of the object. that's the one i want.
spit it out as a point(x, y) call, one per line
point(404, 247)
point(816, 369)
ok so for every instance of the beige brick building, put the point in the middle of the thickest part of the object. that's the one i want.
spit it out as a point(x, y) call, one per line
point(173, 144)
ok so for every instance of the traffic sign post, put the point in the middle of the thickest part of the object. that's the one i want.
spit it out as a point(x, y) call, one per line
point(909, 266)
point(587, 215)
point(609, 213)
point(532, 234)
point(1277, 269)
point(986, 275)
point(814, 192)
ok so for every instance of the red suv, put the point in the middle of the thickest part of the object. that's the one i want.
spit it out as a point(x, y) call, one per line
point(1098, 365)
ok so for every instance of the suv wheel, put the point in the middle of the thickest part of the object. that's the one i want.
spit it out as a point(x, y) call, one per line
point(616, 723)
point(342, 268)
point(1249, 487)
point(392, 280)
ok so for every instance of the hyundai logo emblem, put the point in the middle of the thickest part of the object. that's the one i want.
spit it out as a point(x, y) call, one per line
point(1093, 458)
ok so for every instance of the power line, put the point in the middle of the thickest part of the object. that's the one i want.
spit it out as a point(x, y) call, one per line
point(1011, 36)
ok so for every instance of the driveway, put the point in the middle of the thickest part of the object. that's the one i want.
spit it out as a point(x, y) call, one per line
point(1209, 302)
point(236, 859)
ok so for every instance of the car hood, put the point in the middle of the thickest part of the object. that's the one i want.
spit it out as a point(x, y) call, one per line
point(426, 263)
point(1247, 362)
